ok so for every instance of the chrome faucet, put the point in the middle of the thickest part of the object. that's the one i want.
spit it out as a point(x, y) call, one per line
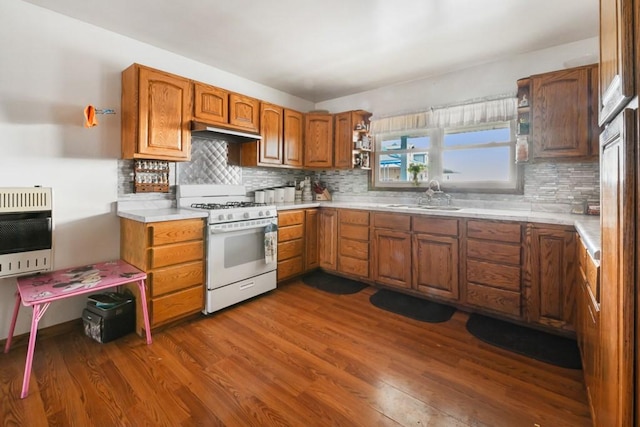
point(435, 197)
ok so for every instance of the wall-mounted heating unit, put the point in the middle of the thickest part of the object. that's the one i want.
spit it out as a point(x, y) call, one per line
point(26, 231)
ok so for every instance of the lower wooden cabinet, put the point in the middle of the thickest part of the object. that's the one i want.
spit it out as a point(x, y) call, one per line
point(312, 250)
point(291, 243)
point(435, 257)
point(392, 250)
point(353, 243)
point(172, 255)
point(328, 236)
point(493, 267)
point(551, 299)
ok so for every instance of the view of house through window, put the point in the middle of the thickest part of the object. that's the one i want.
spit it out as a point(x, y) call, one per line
point(469, 157)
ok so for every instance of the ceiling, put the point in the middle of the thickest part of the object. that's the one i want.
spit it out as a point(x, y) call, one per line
point(320, 50)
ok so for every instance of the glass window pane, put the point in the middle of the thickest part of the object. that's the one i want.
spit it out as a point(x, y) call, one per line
point(502, 134)
point(391, 144)
point(406, 143)
point(479, 164)
point(418, 142)
point(393, 167)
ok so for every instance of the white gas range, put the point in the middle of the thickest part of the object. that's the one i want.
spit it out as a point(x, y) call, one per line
point(241, 243)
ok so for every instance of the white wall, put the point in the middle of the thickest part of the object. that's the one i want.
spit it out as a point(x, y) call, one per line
point(491, 79)
point(51, 68)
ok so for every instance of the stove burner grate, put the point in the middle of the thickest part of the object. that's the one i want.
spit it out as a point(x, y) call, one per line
point(228, 205)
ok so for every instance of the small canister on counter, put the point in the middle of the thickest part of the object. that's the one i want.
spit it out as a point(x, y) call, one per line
point(269, 196)
point(259, 196)
point(279, 195)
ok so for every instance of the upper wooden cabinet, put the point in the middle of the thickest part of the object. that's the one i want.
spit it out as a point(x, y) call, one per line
point(156, 115)
point(281, 145)
point(616, 56)
point(218, 106)
point(348, 126)
point(318, 141)
point(564, 115)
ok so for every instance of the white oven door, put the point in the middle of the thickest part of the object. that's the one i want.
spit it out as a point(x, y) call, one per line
point(236, 254)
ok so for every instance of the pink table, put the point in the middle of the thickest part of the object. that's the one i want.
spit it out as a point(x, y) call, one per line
point(41, 289)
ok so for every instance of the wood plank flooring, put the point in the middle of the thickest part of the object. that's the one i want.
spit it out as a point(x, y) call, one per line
point(294, 357)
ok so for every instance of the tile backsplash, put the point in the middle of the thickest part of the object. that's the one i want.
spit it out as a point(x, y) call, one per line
point(549, 187)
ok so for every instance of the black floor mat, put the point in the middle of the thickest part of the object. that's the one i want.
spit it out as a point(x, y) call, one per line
point(333, 284)
point(412, 307)
point(528, 342)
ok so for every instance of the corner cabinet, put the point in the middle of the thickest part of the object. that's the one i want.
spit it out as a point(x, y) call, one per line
point(318, 141)
point(352, 144)
point(172, 255)
point(156, 115)
point(564, 114)
point(551, 295)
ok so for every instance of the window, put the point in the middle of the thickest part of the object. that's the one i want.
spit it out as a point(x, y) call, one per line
point(480, 157)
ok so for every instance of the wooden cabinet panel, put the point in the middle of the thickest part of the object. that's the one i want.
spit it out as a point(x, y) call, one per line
point(353, 249)
point(616, 56)
point(290, 249)
point(318, 141)
point(563, 117)
point(244, 112)
point(437, 226)
point(312, 259)
point(156, 115)
point(165, 232)
point(494, 299)
point(287, 218)
point(392, 221)
point(354, 266)
point(495, 275)
point(353, 242)
point(162, 256)
point(211, 104)
point(498, 252)
point(435, 265)
point(552, 295)
point(392, 258)
point(291, 243)
point(494, 230)
point(271, 130)
point(173, 306)
point(290, 267)
point(175, 277)
point(328, 236)
point(343, 142)
point(349, 216)
point(357, 232)
point(293, 138)
point(290, 232)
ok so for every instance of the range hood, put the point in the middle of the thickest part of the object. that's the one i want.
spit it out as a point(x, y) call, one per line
point(207, 131)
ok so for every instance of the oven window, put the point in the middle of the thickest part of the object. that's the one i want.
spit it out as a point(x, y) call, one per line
point(244, 248)
point(24, 232)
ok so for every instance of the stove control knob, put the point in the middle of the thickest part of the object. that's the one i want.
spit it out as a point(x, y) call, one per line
point(221, 217)
point(267, 213)
point(247, 215)
point(260, 213)
point(229, 216)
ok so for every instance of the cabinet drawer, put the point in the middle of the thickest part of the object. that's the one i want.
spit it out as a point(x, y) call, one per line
point(290, 249)
point(348, 216)
point(162, 233)
point(289, 268)
point(489, 230)
point(392, 221)
point(174, 278)
point(496, 275)
point(357, 232)
point(176, 305)
point(499, 300)
point(290, 232)
point(175, 254)
point(493, 251)
point(290, 218)
point(443, 226)
point(354, 249)
point(357, 267)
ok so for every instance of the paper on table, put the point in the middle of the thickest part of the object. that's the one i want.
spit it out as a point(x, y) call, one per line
point(271, 243)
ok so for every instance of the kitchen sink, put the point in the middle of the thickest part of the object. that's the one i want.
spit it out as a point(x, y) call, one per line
point(424, 207)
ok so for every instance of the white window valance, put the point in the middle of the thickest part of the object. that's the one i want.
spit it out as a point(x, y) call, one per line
point(496, 110)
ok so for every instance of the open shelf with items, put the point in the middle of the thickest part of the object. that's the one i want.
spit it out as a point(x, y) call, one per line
point(151, 176)
point(524, 120)
point(362, 141)
point(362, 159)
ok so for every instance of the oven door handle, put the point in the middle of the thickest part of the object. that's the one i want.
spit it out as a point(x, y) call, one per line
point(223, 230)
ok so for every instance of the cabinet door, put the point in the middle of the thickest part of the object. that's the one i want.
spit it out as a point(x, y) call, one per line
point(435, 265)
point(318, 141)
point(293, 142)
point(244, 112)
point(616, 56)
point(343, 142)
point(392, 258)
point(211, 104)
point(328, 236)
point(561, 120)
point(164, 111)
point(552, 295)
point(271, 130)
point(312, 259)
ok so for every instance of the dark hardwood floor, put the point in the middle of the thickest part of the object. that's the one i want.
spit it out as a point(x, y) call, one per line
point(294, 357)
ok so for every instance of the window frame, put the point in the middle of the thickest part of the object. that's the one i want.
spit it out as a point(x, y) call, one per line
point(436, 151)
